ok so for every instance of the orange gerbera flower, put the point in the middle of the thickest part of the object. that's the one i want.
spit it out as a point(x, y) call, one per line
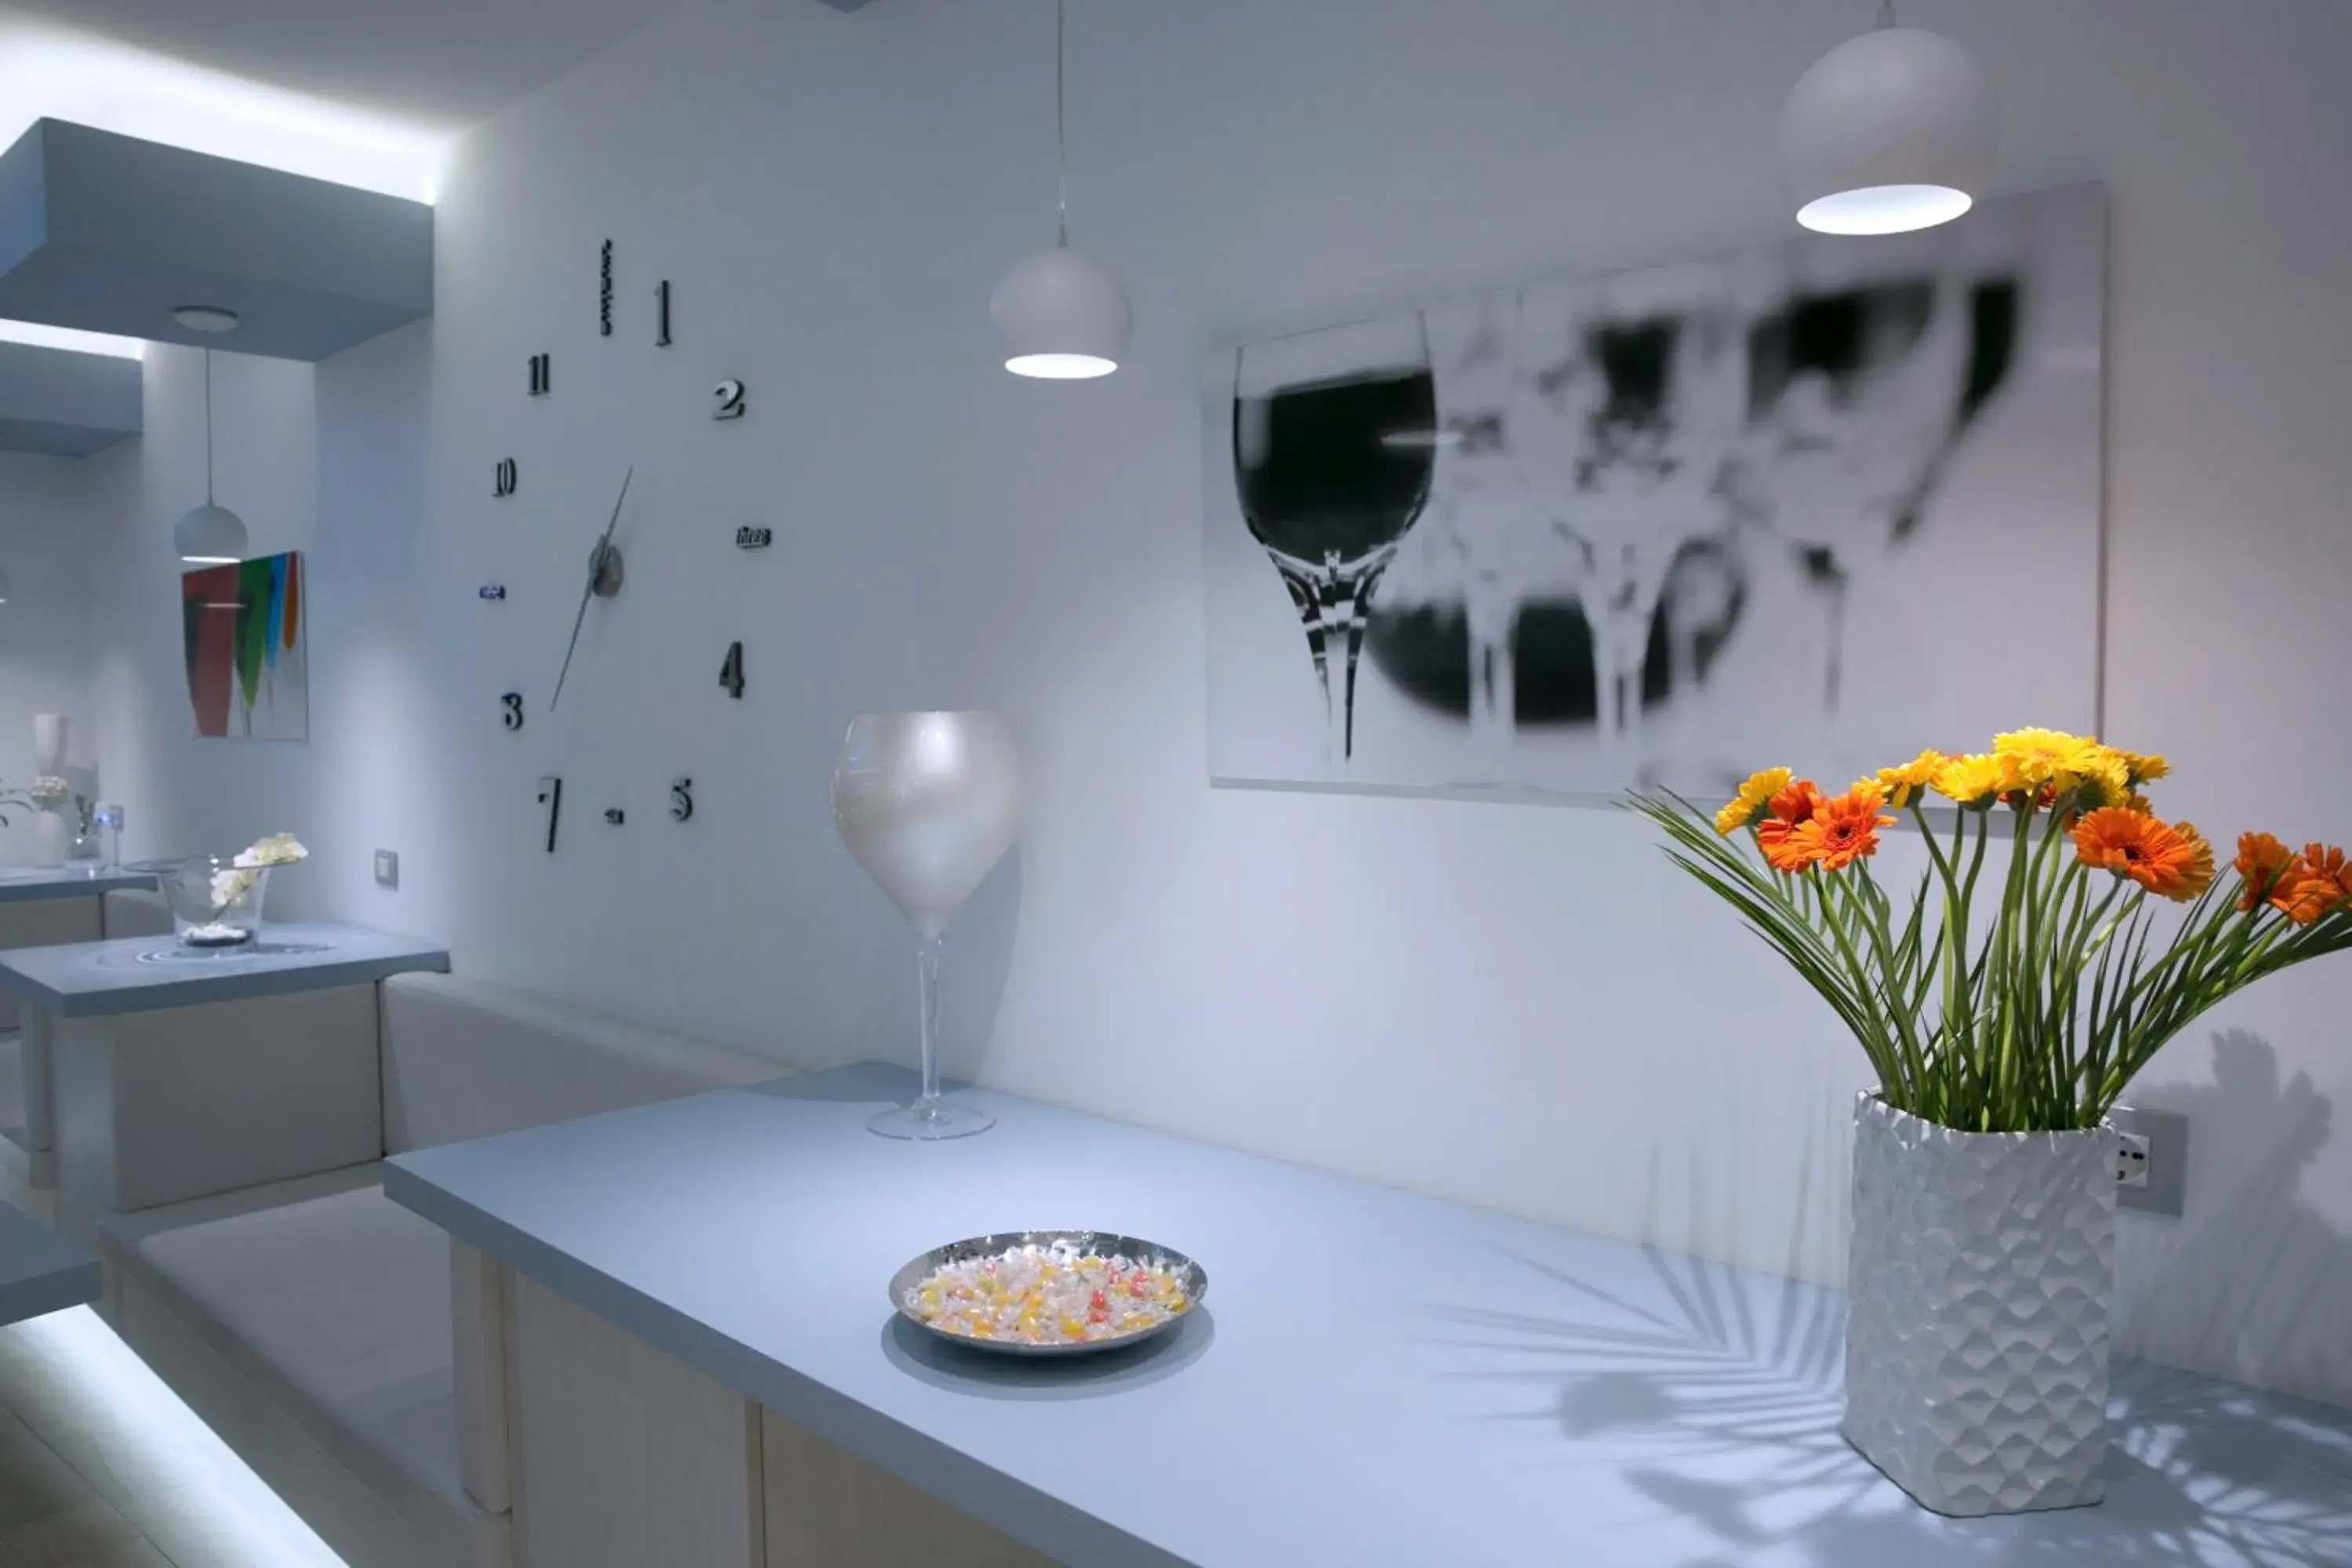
point(1842, 830)
point(1786, 812)
point(2312, 886)
point(2174, 862)
point(2200, 863)
point(2262, 861)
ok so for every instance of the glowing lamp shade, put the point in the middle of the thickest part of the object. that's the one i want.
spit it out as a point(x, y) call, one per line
point(1063, 315)
point(210, 535)
point(1890, 132)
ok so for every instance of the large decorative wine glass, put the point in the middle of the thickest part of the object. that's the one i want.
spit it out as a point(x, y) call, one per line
point(928, 803)
point(1335, 436)
point(1646, 404)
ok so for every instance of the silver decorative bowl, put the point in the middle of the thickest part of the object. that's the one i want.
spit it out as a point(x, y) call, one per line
point(1102, 1243)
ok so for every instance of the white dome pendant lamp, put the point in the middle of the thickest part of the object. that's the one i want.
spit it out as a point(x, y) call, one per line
point(1063, 314)
point(1890, 132)
point(209, 536)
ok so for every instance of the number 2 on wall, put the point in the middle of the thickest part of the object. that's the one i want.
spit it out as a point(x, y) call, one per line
point(731, 674)
point(730, 395)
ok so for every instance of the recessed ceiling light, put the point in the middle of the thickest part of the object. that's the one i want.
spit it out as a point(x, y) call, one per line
point(205, 319)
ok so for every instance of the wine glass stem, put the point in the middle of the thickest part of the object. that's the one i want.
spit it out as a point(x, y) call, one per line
point(927, 981)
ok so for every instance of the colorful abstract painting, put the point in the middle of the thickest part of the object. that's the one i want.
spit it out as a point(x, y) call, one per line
point(248, 668)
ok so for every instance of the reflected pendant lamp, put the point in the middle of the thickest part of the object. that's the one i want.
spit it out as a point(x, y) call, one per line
point(211, 534)
point(1890, 132)
point(1061, 314)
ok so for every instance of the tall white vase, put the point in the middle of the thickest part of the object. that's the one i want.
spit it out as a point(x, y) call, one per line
point(48, 744)
point(51, 836)
point(928, 803)
point(1976, 1356)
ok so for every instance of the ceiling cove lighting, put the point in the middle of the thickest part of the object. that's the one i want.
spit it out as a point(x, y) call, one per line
point(41, 337)
point(208, 535)
point(51, 73)
point(1061, 314)
point(1890, 132)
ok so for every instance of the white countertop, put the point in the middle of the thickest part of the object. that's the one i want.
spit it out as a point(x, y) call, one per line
point(40, 1271)
point(1502, 1392)
point(27, 884)
point(140, 973)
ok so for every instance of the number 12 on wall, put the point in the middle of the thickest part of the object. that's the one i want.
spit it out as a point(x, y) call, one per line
point(730, 673)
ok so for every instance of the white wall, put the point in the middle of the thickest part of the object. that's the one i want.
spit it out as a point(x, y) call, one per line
point(1518, 1006)
point(46, 529)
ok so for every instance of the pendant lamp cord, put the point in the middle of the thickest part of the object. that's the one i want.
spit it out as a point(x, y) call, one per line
point(1061, 133)
point(208, 426)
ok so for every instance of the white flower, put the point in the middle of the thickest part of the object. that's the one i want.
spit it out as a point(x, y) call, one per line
point(230, 886)
point(278, 849)
point(49, 792)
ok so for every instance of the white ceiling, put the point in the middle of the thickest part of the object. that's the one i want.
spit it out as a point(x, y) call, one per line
point(440, 64)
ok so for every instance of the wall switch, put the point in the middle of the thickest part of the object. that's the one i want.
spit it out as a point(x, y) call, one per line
point(387, 868)
point(2151, 1160)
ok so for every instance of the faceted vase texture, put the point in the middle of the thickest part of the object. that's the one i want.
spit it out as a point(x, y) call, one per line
point(1976, 1354)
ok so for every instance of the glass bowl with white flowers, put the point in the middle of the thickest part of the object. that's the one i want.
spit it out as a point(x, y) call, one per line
point(216, 902)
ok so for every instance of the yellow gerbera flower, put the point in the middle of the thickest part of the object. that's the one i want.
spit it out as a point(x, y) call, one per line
point(2147, 769)
point(1753, 796)
point(1899, 784)
point(2106, 778)
point(1974, 780)
point(2048, 756)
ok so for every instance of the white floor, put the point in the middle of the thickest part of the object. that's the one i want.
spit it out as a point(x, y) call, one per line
point(102, 1467)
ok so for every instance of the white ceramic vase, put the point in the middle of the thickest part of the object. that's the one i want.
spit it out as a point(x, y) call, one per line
point(1980, 1273)
point(51, 838)
point(48, 744)
point(928, 803)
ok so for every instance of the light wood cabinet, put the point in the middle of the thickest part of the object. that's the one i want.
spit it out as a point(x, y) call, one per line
point(625, 1457)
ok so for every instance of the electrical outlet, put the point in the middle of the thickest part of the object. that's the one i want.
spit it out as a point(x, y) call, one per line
point(387, 868)
point(2131, 1159)
point(2151, 1160)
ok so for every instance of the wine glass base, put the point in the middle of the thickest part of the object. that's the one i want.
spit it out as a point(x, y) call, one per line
point(929, 1122)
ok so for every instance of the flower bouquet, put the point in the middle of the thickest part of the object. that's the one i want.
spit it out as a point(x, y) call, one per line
point(216, 902)
point(2060, 935)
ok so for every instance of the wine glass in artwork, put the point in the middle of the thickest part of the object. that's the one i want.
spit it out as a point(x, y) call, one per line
point(1642, 381)
point(1335, 438)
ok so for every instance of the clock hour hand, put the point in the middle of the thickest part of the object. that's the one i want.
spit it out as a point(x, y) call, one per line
point(599, 561)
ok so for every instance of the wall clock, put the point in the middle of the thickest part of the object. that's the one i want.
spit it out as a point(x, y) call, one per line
point(602, 577)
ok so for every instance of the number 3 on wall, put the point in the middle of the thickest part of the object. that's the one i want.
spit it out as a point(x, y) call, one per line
point(511, 706)
point(731, 674)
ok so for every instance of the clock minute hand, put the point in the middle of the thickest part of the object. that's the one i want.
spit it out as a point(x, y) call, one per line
point(595, 563)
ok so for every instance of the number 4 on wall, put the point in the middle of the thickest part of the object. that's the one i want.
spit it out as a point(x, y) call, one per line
point(731, 674)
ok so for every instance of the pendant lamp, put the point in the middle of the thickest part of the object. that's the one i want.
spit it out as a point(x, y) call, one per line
point(209, 536)
point(1063, 315)
point(1887, 132)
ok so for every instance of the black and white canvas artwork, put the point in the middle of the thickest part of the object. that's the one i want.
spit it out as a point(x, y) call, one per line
point(1826, 502)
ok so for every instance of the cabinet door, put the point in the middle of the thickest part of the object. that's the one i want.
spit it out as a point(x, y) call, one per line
point(623, 1457)
point(826, 1508)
